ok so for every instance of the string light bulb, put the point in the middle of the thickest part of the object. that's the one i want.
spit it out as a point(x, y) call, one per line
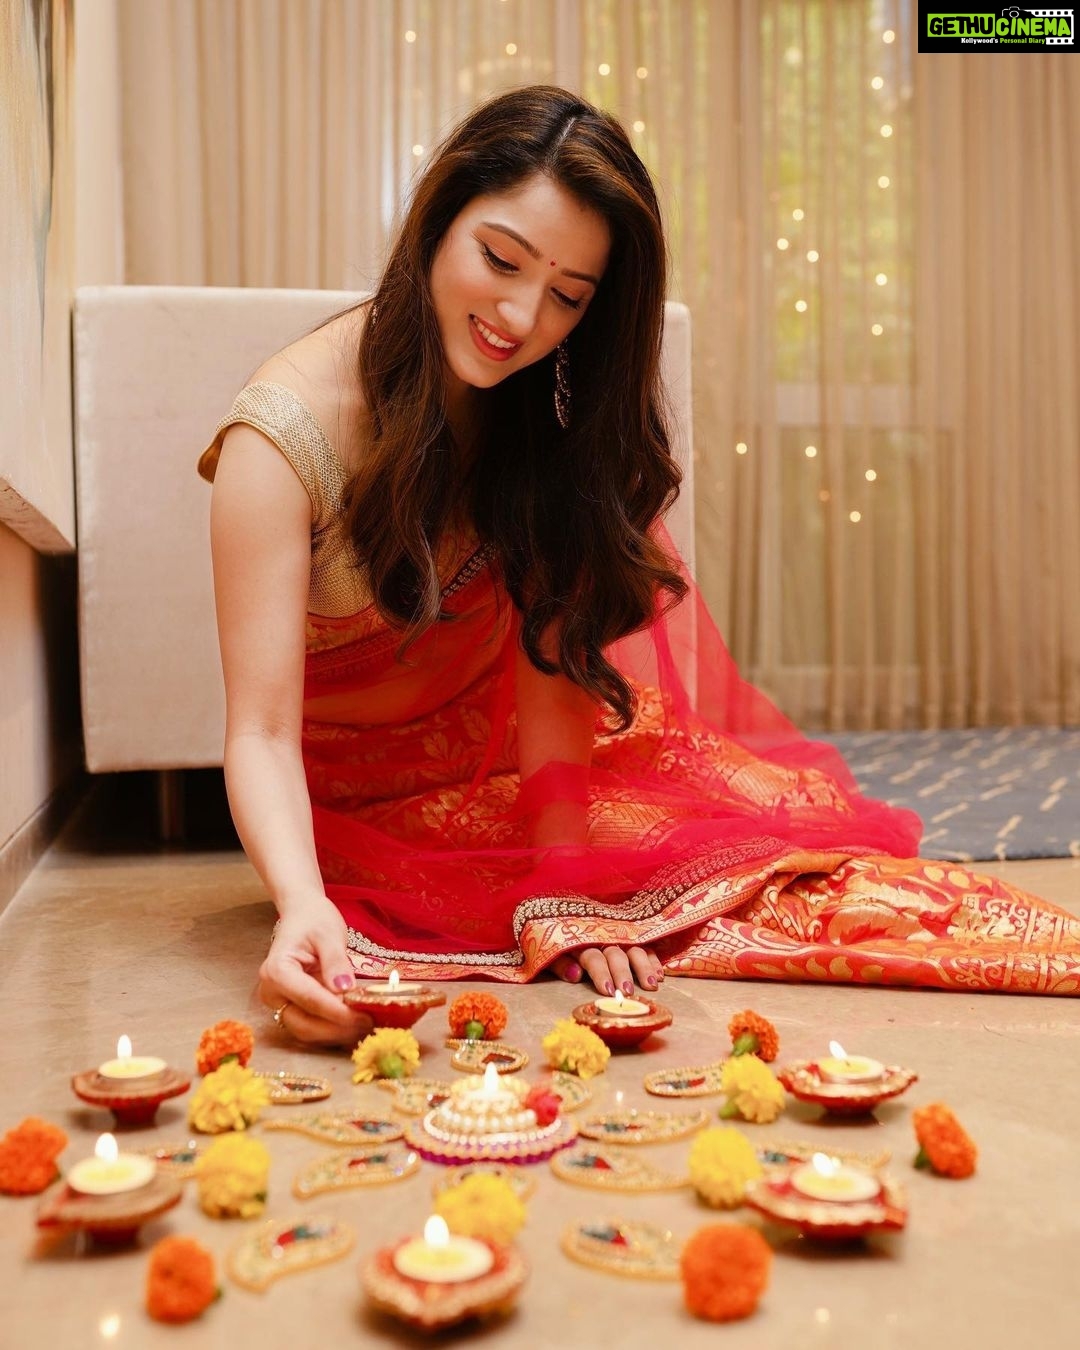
point(741, 448)
point(418, 150)
point(877, 82)
point(800, 306)
point(886, 130)
point(604, 68)
point(888, 35)
point(511, 49)
point(871, 475)
point(782, 244)
point(642, 72)
point(882, 279)
point(410, 36)
point(812, 255)
point(877, 330)
point(639, 125)
point(798, 213)
point(854, 517)
point(883, 181)
point(810, 452)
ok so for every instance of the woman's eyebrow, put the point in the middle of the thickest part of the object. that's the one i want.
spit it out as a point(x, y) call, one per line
point(534, 252)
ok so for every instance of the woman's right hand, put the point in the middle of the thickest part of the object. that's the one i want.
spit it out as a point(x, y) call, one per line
point(305, 973)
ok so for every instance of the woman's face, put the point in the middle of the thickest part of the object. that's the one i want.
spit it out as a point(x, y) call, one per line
point(512, 277)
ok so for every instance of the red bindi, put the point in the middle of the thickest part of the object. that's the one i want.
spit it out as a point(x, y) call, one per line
point(553, 262)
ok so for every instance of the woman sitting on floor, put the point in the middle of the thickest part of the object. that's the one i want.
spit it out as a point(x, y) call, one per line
point(455, 637)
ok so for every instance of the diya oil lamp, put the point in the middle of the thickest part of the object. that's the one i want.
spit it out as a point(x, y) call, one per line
point(131, 1086)
point(110, 1196)
point(829, 1199)
point(622, 1021)
point(440, 1279)
point(394, 1002)
point(845, 1085)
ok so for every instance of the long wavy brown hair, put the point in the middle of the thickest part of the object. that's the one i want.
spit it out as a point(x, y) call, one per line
point(567, 513)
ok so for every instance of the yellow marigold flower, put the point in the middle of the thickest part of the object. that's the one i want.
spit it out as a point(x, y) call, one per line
point(482, 1206)
point(575, 1049)
point(389, 1052)
point(230, 1098)
point(722, 1164)
point(232, 1177)
point(752, 1090)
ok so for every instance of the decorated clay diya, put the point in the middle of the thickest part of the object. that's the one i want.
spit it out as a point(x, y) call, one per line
point(133, 1100)
point(830, 1200)
point(623, 1022)
point(844, 1097)
point(441, 1279)
point(394, 1003)
point(110, 1196)
point(491, 1120)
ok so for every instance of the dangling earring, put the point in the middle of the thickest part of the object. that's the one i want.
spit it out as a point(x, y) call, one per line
point(562, 385)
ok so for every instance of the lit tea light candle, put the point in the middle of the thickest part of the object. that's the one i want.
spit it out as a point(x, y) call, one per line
point(391, 986)
point(620, 1006)
point(840, 1067)
point(110, 1172)
point(439, 1258)
point(825, 1178)
point(126, 1065)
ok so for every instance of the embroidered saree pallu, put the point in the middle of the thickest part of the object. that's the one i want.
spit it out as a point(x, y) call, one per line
point(717, 833)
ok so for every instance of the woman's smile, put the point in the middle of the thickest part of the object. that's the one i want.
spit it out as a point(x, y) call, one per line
point(491, 342)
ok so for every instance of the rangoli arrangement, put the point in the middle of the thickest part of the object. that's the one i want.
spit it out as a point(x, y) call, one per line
point(487, 1134)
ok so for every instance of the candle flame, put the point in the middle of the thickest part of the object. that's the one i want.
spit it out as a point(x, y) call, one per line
point(106, 1148)
point(394, 981)
point(619, 1000)
point(825, 1166)
point(436, 1233)
point(837, 1050)
point(123, 1048)
point(491, 1081)
point(619, 1096)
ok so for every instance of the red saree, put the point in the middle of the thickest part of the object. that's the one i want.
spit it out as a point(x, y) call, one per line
point(717, 833)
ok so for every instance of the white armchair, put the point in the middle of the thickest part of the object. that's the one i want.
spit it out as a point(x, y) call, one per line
point(155, 368)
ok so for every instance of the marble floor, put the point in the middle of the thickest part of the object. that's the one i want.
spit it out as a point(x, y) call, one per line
point(113, 934)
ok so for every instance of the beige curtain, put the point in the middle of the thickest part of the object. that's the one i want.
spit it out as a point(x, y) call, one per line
point(880, 251)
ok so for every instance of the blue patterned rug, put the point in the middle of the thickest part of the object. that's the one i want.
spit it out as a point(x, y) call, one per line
point(983, 794)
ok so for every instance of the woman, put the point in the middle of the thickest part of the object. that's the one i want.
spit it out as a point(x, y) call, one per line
point(458, 741)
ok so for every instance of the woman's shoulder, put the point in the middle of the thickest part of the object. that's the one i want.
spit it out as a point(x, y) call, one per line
point(320, 371)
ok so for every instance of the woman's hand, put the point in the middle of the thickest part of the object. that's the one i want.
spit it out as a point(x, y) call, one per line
point(305, 973)
point(611, 968)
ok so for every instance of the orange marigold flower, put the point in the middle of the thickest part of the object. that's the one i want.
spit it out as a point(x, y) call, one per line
point(28, 1155)
point(180, 1281)
point(479, 1017)
point(224, 1040)
point(725, 1268)
point(752, 1034)
point(944, 1144)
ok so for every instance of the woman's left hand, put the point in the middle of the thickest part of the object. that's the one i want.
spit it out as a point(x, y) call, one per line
point(611, 968)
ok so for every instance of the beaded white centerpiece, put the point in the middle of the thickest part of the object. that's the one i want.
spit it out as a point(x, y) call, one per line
point(488, 1119)
point(490, 1112)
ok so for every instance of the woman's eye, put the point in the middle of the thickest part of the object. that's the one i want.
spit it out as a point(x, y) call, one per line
point(499, 264)
point(565, 300)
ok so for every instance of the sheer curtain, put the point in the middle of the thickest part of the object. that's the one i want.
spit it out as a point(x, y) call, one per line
point(880, 252)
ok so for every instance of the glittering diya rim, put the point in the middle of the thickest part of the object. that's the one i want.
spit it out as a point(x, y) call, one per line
point(95, 1088)
point(775, 1197)
point(656, 1258)
point(69, 1208)
point(432, 1305)
point(658, 1016)
point(424, 998)
point(804, 1082)
point(516, 1152)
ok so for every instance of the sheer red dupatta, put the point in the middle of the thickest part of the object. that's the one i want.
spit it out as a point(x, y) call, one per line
point(717, 832)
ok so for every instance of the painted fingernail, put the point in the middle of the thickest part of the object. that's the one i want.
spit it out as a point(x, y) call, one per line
point(651, 981)
point(609, 988)
point(628, 987)
point(343, 982)
point(573, 972)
